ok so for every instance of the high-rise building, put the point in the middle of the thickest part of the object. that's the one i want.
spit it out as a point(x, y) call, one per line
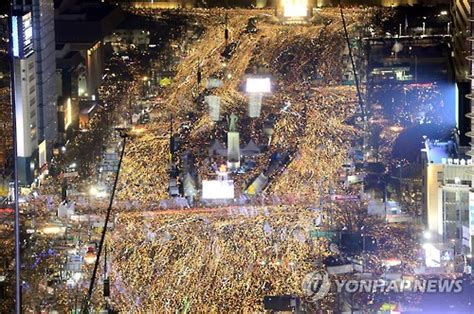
point(42, 13)
point(470, 77)
point(45, 52)
point(448, 190)
point(24, 78)
point(82, 27)
point(448, 197)
point(460, 31)
point(470, 115)
point(461, 11)
point(446, 202)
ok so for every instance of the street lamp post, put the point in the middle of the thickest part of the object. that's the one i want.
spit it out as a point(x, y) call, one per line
point(85, 309)
point(363, 248)
point(16, 168)
point(226, 31)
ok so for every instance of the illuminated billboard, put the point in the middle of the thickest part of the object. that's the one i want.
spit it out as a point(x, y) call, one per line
point(217, 189)
point(22, 34)
point(68, 115)
point(258, 85)
point(42, 154)
point(432, 255)
point(295, 8)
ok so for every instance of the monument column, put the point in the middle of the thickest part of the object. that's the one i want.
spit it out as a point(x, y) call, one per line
point(233, 144)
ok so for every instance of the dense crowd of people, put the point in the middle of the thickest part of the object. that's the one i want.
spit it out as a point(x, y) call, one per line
point(413, 104)
point(309, 79)
point(229, 259)
point(5, 130)
point(226, 261)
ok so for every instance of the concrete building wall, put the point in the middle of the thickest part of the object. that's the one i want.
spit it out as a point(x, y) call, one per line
point(42, 14)
point(94, 67)
point(26, 116)
point(433, 196)
point(25, 101)
point(446, 193)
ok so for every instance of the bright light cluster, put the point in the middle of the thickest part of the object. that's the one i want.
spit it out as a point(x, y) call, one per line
point(217, 189)
point(258, 85)
point(295, 8)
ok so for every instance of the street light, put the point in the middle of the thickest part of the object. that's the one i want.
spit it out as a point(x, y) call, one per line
point(124, 134)
point(93, 191)
point(90, 256)
point(97, 192)
point(76, 277)
point(427, 235)
point(53, 230)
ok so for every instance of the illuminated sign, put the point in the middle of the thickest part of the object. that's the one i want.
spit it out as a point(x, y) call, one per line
point(218, 189)
point(68, 121)
point(16, 49)
point(42, 154)
point(295, 8)
point(432, 255)
point(455, 161)
point(258, 85)
point(22, 33)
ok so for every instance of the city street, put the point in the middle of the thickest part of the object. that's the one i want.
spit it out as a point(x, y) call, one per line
point(227, 155)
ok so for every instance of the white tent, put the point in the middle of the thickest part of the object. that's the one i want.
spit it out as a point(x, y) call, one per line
point(251, 149)
point(255, 105)
point(213, 83)
point(258, 185)
point(189, 186)
point(217, 148)
point(340, 269)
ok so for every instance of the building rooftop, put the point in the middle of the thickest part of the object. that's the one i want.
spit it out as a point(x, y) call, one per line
point(87, 12)
point(436, 151)
point(87, 22)
point(71, 59)
point(445, 153)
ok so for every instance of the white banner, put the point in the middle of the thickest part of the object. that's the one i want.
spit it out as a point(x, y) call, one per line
point(214, 103)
